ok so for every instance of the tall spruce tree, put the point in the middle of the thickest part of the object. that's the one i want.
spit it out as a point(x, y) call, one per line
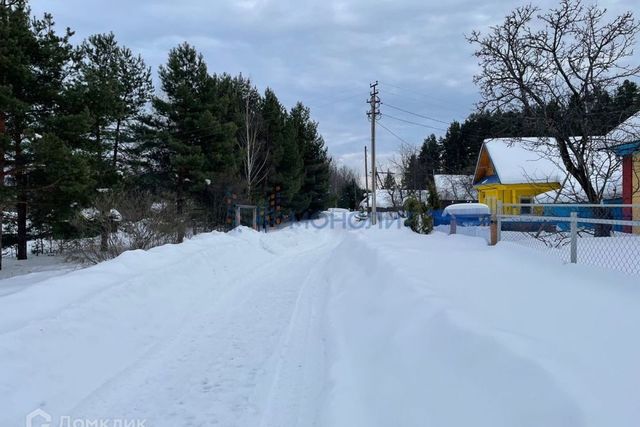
point(454, 151)
point(193, 146)
point(285, 165)
point(429, 158)
point(33, 64)
point(182, 116)
point(314, 191)
point(113, 86)
point(135, 90)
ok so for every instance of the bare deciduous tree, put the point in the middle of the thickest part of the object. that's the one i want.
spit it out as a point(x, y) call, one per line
point(457, 188)
point(339, 177)
point(554, 66)
point(253, 148)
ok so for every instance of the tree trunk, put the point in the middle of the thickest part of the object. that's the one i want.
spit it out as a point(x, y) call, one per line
point(21, 206)
point(600, 230)
point(98, 141)
point(180, 211)
point(579, 173)
point(105, 229)
point(116, 142)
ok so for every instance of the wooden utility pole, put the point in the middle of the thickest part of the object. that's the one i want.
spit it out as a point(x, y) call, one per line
point(374, 113)
point(366, 177)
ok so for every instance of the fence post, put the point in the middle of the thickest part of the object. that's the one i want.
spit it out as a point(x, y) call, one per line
point(499, 221)
point(452, 225)
point(493, 231)
point(574, 237)
point(254, 223)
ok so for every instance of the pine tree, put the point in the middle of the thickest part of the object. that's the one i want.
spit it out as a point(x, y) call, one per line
point(349, 194)
point(389, 182)
point(112, 86)
point(96, 89)
point(412, 173)
point(314, 191)
point(33, 60)
point(60, 184)
point(454, 153)
point(182, 116)
point(625, 102)
point(285, 164)
point(135, 91)
point(430, 156)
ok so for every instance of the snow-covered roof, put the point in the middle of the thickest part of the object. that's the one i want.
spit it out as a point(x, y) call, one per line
point(455, 187)
point(603, 166)
point(516, 162)
point(458, 209)
point(609, 182)
point(627, 132)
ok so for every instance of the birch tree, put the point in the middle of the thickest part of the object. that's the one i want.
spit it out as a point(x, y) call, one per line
point(251, 143)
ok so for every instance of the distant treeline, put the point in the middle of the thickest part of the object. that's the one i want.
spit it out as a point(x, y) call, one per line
point(457, 151)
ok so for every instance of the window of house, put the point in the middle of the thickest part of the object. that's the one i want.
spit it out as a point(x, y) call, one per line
point(525, 210)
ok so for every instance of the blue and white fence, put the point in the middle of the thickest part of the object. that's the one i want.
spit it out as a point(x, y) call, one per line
point(606, 235)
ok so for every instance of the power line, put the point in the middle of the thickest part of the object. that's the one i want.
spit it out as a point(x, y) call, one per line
point(441, 168)
point(464, 133)
point(415, 114)
point(393, 133)
point(414, 123)
point(445, 104)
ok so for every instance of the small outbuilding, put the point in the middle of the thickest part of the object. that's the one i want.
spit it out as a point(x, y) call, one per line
point(509, 171)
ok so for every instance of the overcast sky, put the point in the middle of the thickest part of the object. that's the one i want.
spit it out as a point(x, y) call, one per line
point(323, 53)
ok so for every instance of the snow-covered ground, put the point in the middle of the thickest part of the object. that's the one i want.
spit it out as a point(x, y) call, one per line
point(326, 326)
point(17, 275)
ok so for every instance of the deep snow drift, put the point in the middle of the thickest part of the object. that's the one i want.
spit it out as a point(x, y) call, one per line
point(328, 326)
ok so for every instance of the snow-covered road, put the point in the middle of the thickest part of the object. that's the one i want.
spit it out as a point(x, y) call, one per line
point(325, 326)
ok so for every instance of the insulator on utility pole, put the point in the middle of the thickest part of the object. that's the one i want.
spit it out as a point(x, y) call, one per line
point(373, 114)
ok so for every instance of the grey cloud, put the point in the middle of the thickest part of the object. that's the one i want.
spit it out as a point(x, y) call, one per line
point(323, 53)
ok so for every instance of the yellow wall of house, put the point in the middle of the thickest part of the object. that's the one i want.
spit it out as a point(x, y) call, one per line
point(511, 193)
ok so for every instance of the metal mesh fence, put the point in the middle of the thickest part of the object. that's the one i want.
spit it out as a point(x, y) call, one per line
point(601, 235)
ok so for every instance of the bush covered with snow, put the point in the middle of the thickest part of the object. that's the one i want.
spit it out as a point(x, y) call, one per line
point(123, 221)
point(418, 217)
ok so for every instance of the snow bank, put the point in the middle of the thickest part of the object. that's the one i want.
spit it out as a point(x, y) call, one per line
point(416, 338)
point(466, 209)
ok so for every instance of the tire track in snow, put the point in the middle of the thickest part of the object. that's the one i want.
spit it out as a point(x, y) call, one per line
point(293, 395)
point(218, 367)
